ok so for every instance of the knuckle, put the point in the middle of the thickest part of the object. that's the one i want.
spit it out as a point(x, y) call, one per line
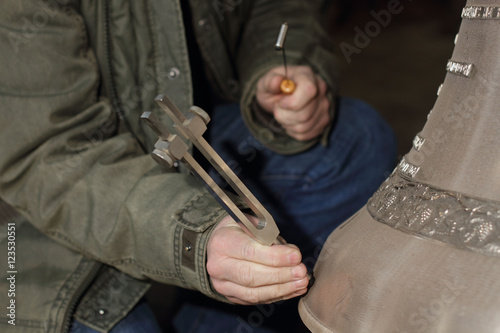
point(282, 276)
point(245, 276)
point(276, 259)
point(248, 250)
point(285, 289)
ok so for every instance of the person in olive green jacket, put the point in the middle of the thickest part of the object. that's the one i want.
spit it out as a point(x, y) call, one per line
point(96, 219)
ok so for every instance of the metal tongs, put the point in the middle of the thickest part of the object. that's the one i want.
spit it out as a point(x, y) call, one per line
point(170, 148)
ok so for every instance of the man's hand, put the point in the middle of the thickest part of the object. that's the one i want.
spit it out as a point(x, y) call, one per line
point(248, 272)
point(304, 114)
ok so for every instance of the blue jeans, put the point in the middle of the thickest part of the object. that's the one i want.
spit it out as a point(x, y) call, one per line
point(309, 194)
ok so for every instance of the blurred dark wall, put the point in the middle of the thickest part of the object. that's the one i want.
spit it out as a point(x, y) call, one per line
point(393, 54)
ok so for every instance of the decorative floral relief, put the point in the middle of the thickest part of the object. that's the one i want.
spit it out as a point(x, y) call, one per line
point(453, 218)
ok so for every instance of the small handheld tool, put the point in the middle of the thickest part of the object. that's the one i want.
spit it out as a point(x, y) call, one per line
point(171, 148)
point(287, 86)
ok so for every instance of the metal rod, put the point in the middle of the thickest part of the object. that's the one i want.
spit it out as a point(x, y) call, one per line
point(280, 44)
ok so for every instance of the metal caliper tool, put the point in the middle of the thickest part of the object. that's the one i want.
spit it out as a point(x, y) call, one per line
point(171, 148)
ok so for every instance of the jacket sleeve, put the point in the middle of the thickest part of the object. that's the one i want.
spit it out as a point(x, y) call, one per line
point(65, 166)
point(307, 43)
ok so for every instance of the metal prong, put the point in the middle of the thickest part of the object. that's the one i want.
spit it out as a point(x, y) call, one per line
point(280, 42)
point(152, 120)
point(175, 111)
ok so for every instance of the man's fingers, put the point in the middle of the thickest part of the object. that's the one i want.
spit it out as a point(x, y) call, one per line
point(307, 89)
point(289, 118)
point(254, 275)
point(238, 245)
point(302, 134)
point(305, 124)
point(266, 294)
point(248, 272)
point(319, 118)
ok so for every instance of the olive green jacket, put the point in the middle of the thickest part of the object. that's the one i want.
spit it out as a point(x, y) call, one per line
point(104, 219)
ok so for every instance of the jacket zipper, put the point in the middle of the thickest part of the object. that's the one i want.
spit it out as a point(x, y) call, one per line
point(73, 302)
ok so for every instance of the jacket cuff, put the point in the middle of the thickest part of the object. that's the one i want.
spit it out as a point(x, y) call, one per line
point(193, 241)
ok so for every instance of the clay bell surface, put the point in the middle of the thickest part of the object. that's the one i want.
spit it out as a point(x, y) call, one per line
point(424, 254)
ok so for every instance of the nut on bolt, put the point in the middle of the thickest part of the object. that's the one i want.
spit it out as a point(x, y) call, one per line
point(201, 113)
point(162, 158)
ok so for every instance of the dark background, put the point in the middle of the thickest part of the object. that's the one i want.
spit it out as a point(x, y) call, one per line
point(401, 68)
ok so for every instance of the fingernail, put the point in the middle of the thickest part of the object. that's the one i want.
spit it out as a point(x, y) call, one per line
point(301, 283)
point(298, 272)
